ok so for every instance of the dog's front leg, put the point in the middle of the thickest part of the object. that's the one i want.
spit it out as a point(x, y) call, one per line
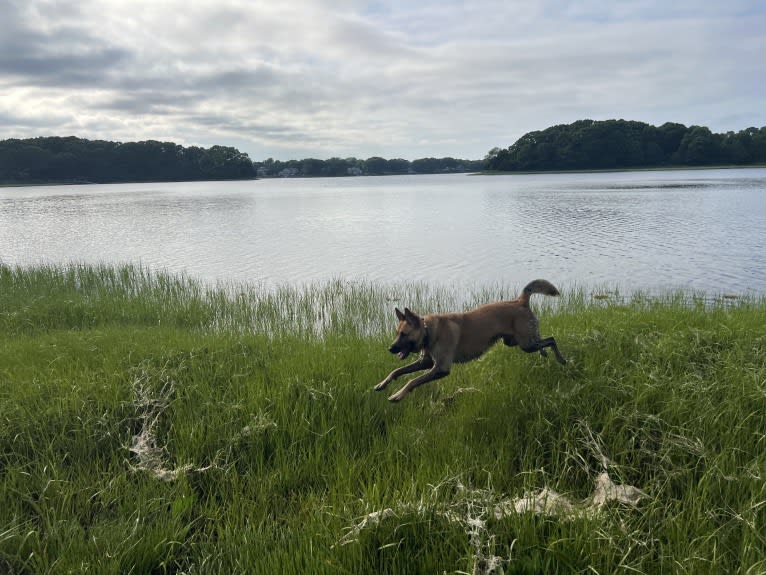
point(423, 362)
point(436, 372)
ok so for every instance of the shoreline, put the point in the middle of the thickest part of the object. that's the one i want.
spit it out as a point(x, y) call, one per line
point(621, 170)
point(482, 173)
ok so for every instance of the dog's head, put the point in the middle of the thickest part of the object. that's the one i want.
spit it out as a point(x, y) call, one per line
point(410, 334)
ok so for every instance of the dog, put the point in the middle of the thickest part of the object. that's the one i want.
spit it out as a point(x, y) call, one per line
point(444, 339)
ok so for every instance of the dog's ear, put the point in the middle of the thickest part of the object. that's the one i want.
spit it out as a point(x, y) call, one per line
point(410, 317)
point(399, 315)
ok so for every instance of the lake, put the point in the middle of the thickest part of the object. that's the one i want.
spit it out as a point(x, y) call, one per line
point(655, 230)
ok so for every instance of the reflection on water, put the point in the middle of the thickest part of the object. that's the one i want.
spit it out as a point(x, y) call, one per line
point(635, 230)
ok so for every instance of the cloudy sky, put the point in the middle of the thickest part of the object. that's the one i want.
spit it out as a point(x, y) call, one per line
point(291, 79)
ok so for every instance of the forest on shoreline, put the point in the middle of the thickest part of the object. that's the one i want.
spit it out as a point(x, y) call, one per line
point(582, 145)
point(622, 144)
point(80, 161)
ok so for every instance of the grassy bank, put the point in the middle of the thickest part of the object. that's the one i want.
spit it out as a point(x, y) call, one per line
point(151, 424)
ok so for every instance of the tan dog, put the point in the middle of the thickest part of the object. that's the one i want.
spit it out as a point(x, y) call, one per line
point(444, 339)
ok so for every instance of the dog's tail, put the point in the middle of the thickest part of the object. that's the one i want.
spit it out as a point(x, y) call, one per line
point(537, 286)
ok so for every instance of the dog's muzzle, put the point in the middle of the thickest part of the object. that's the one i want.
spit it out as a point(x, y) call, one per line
point(401, 351)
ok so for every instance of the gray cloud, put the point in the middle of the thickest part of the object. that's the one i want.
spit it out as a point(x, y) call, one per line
point(321, 78)
point(31, 50)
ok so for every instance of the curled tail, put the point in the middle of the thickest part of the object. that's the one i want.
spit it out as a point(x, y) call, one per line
point(536, 286)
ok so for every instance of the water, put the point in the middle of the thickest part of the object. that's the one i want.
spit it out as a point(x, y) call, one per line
point(701, 230)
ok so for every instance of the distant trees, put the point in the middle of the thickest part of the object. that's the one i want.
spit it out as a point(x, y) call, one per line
point(373, 166)
point(70, 159)
point(619, 144)
point(582, 145)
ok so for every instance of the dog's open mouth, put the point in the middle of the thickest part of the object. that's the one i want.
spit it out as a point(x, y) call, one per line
point(401, 349)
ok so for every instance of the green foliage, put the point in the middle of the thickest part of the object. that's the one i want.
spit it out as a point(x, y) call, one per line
point(621, 144)
point(272, 454)
point(373, 166)
point(77, 160)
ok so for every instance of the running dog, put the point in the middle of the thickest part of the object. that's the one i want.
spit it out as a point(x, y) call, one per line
point(444, 339)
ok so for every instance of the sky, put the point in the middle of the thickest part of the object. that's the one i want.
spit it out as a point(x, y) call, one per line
point(294, 79)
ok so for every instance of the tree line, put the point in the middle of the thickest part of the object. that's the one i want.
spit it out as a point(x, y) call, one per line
point(77, 160)
point(71, 159)
point(620, 144)
point(374, 166)
point(582, 145)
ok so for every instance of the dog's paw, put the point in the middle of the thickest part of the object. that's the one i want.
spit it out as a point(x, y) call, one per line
point(396, 397)
point(381, 386)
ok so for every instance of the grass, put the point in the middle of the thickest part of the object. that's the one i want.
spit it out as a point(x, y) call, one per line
point(151, 424)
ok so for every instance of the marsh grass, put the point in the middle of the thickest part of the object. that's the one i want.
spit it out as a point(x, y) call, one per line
point(268, 449)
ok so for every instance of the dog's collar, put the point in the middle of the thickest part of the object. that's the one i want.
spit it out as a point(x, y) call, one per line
point(427, 337)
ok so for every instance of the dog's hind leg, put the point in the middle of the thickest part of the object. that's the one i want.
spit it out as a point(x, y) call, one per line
point(510, 341)
point(423, 362)
point(539, 345)
point(550, 342)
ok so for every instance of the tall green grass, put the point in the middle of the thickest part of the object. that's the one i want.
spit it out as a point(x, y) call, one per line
point(152, 424)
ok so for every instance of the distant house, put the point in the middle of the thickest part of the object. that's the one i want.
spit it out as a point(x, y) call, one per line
point(354, 171)
point(289, 173)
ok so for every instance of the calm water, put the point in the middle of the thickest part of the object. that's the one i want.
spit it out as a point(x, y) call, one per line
point(702, 230)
